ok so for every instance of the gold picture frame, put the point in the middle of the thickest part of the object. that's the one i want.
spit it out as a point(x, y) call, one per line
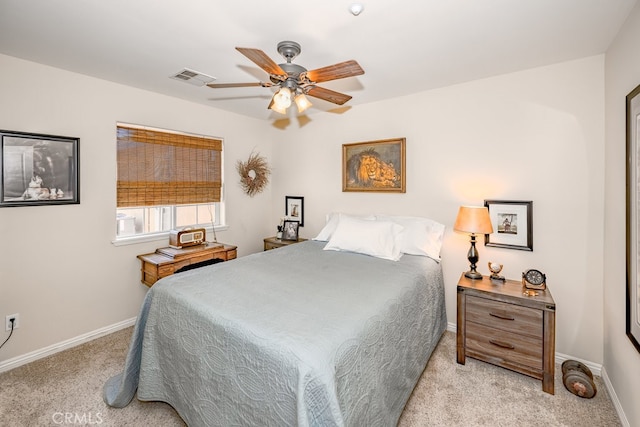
point(374, 166)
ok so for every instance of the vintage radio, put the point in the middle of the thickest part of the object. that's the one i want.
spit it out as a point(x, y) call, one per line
point(188, 237)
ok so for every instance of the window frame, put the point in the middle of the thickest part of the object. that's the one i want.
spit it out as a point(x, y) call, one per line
point(211, 229)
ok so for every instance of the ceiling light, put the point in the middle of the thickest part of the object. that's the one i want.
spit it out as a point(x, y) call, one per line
point(278, 109)
point(302, 102)
point(282, 98)
point(356, 9)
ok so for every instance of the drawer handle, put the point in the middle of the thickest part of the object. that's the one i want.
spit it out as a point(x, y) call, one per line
point(502, 345)
point(499, 316)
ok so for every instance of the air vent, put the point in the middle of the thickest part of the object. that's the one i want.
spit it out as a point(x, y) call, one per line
point(192, 77)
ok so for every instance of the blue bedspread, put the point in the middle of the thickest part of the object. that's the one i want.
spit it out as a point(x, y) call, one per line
point(293, 336)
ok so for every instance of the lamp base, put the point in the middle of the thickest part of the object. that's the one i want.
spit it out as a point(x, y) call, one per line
point(473, 275)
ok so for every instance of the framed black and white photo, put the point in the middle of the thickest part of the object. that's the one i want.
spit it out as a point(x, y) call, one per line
point(38, 169)
point(294, 208)
point(290, 230)
point(633, 218)
point(512, 223)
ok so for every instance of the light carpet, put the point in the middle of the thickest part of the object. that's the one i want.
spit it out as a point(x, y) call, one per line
point(66, 389)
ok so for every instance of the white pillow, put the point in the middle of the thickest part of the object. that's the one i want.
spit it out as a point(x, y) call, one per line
point(380, 239)
point(332, 222)
point(421, 236)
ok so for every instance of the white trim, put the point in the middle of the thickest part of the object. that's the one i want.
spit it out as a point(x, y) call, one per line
point(64, 345)
point(144, 238)
point(614, 398)
point(452, 327)
point(595, 368)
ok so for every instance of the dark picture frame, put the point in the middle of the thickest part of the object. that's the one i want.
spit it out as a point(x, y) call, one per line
point(294, 208)
point(38, 169)
point(290, 230)
point(512, 222)
point(374, 166)
point(633, 217)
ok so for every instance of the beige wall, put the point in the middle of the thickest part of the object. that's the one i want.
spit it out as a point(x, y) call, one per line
point(533, 135)
point(58, 267)
point(621, 360)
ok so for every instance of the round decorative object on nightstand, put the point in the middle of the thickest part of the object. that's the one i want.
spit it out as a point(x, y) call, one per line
point(534, 279)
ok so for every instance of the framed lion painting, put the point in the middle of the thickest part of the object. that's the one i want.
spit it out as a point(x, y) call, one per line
point(377, 166)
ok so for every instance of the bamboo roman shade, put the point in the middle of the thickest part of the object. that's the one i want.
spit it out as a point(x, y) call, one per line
point(158, 168)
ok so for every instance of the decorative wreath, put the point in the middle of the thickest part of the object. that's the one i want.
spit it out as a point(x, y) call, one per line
point(254, 174)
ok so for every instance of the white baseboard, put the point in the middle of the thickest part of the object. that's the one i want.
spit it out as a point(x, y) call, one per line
point(595, 368)
point(64, 345)
point(614, 398)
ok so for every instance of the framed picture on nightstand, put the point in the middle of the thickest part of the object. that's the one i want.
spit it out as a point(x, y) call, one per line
point(290, 230)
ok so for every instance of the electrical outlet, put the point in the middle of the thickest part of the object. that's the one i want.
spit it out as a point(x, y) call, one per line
point(16, 321)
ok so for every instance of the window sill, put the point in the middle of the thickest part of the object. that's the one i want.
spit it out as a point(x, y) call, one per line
point(133, 240)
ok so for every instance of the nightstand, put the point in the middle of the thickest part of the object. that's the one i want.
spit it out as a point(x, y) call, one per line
point(499, 325)
point(274, 243)
point(166, 261)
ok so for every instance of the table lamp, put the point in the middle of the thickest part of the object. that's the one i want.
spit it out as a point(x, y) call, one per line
point(473, 220)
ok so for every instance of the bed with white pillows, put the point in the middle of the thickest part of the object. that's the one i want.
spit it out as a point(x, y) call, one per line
point(334, 331)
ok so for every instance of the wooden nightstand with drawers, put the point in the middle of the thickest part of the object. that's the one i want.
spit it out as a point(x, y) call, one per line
point(274, 242)
point(498, 324)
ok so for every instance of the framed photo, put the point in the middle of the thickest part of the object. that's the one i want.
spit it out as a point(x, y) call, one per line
point(290, 230)
point(512, 223)
point(376, 166)
point(633, 218)
point(294, 208)
point(38, 169)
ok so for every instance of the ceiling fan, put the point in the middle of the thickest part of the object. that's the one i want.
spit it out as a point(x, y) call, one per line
point(294, 80)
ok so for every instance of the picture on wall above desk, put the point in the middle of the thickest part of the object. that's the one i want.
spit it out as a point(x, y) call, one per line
point(376, 166)
point(38, 169)
point(294, 208)
point(512, 223)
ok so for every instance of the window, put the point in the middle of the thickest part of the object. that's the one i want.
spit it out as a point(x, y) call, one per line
point(166, 180)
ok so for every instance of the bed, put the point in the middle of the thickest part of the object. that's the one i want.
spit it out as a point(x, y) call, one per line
point(294, 336)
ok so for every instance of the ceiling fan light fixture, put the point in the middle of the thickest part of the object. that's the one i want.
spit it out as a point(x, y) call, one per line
point(282, 98)
point(275, 107)
point(302, 102)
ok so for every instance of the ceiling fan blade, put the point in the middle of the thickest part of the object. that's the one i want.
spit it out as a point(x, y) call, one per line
point(337, 71)
point(328, 95)
point(261, 60)
point(226, 85)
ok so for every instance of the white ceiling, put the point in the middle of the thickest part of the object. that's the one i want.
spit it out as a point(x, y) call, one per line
point(403, 46)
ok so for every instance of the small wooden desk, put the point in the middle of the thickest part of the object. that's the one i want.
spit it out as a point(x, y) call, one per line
point(166, 261)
